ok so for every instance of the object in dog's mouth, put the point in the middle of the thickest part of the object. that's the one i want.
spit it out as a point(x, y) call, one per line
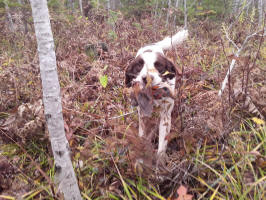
point(159, 93)
point(142, 98)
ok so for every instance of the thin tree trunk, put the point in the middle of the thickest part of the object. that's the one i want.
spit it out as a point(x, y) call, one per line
point(236, 5)
point(70, 4)
point(20, 15)
point(9, 17)
point(65, 174)
point(156, 8)
point(155, 15)
point(23, 16)
point(176, 7)
point(185, 13)
point(108, 5)
point(261, 11)
point(168, 12)
point(81, 7)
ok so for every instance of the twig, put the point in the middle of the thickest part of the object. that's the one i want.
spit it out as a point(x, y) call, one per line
point(230, 40)
point(256, 57)
point(123, 115)
point(229, 78)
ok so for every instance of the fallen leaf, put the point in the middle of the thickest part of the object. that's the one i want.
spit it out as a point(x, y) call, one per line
point(182, 193)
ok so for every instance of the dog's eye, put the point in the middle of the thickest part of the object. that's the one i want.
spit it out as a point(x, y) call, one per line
point(138, 68)
point(159, 66)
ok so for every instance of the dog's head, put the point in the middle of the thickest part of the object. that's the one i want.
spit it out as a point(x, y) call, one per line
point(153, 69)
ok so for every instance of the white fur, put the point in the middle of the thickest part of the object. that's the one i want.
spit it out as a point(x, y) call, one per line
point(166, 44)
point(170, 42)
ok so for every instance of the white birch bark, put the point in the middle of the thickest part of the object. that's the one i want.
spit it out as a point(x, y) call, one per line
point(65, 174)
point(176, 3)
point(81, 7)
point(261, 11)
point(108, 5)
point(9, 17)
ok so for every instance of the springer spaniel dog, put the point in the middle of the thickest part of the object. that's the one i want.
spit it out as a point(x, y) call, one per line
point(151, 78)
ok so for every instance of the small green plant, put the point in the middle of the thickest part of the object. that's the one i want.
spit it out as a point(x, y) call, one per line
point(104, 80)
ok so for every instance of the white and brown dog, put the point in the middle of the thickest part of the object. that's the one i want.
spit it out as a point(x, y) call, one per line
point(154, 77)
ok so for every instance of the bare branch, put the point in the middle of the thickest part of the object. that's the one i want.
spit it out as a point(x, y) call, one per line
point(230, 40)
point(234, 60)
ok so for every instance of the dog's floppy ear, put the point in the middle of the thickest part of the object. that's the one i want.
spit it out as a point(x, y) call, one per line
point(170, 68)
point(165, 67)
point(133, 70)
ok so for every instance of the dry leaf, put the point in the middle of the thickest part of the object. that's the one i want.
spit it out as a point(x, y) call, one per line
point(182, 193)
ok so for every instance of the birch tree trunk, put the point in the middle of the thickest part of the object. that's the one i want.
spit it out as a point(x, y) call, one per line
point(261, 11)
point(81, 7)
point(108, 5)
point(65, 174)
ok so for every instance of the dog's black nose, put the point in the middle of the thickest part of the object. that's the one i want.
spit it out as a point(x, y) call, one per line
point(145, 79)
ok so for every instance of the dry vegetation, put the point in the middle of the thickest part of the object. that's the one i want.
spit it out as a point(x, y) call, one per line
point(217, 145)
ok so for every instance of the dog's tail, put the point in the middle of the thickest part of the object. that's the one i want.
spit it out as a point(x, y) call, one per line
point(171, 42)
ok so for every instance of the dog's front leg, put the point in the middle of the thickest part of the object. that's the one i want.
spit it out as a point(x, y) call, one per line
point(165, 124)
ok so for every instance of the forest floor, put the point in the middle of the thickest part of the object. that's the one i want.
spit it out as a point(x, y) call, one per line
point(217, 146)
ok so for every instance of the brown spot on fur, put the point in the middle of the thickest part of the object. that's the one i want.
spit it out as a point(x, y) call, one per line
point(133, 70)
point(162, 64)
point(148, 50)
